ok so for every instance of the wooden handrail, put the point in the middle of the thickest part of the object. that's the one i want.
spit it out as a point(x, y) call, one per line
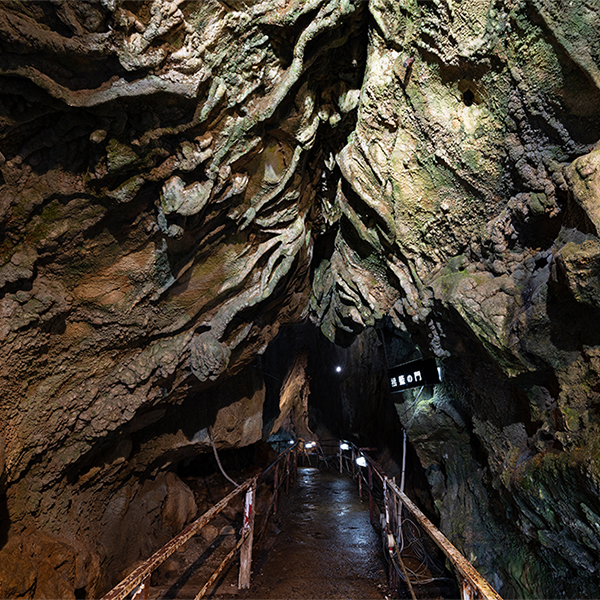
point(136, 577)
point(462, 565)
point(140, 575)
point(466, 570)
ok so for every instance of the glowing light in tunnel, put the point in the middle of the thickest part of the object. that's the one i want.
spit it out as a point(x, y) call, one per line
point(291, 442)
point(361, 461)
point(310, 445)
point(338, 369)
point(344, 446)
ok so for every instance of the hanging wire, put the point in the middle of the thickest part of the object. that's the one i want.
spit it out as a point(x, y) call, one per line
point(212, 443)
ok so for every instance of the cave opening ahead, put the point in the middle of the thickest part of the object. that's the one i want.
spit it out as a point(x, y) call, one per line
point(318, 390)
point(315, 389)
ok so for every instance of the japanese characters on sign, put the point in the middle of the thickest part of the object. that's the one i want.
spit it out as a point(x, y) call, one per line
point(414, 374)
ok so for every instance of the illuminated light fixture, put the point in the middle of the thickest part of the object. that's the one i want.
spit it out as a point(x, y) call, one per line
point(361, 461)
point(344, 446)
point(310, 444)
point(338, 369)
point(291, 442)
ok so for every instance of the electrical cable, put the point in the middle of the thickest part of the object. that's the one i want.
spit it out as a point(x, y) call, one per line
point(212, 443)
point(414, 402)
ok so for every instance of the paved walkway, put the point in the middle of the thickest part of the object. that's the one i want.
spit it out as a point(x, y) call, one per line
point(326, 548)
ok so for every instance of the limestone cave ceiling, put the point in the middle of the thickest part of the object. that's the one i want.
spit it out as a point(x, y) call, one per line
point(180, 178)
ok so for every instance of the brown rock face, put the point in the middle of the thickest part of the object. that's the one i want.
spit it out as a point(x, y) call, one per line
point(179, 179)
point(37, 564)
point(159, 171)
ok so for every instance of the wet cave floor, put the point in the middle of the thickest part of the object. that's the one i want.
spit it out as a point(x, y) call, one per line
point(327, 547)
point(321, 544)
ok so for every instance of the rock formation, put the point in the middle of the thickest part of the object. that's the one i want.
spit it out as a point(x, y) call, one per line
point(179, 179)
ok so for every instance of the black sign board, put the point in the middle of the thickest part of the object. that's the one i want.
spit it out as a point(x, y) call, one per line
point(414, 374)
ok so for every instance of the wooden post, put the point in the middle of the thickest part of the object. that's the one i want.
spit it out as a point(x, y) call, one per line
point(246, 549)
point(385, 503)
point(388, 535)
point(275, 488)
point(466, 591)
point(359, 485)
point(287, 473)
point(370, 476)
point(142, 592)
point(295, 466)
point(394, 515)
point(340, 460)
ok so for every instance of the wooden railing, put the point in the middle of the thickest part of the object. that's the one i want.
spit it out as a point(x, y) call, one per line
point(137, 583)
point(472, 585)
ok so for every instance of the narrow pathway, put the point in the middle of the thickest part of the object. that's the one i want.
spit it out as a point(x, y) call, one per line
point(327, 547)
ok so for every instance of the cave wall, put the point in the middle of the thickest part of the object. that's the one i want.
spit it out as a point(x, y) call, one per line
point(159, 167)
point(179, 179)
point(468, 219)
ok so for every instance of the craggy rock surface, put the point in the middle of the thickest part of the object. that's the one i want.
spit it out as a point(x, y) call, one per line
point(159, 178)
point(179, 178)
point(469, 216)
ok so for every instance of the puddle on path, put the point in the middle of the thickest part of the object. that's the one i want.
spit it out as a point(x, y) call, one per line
point(326, 548)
